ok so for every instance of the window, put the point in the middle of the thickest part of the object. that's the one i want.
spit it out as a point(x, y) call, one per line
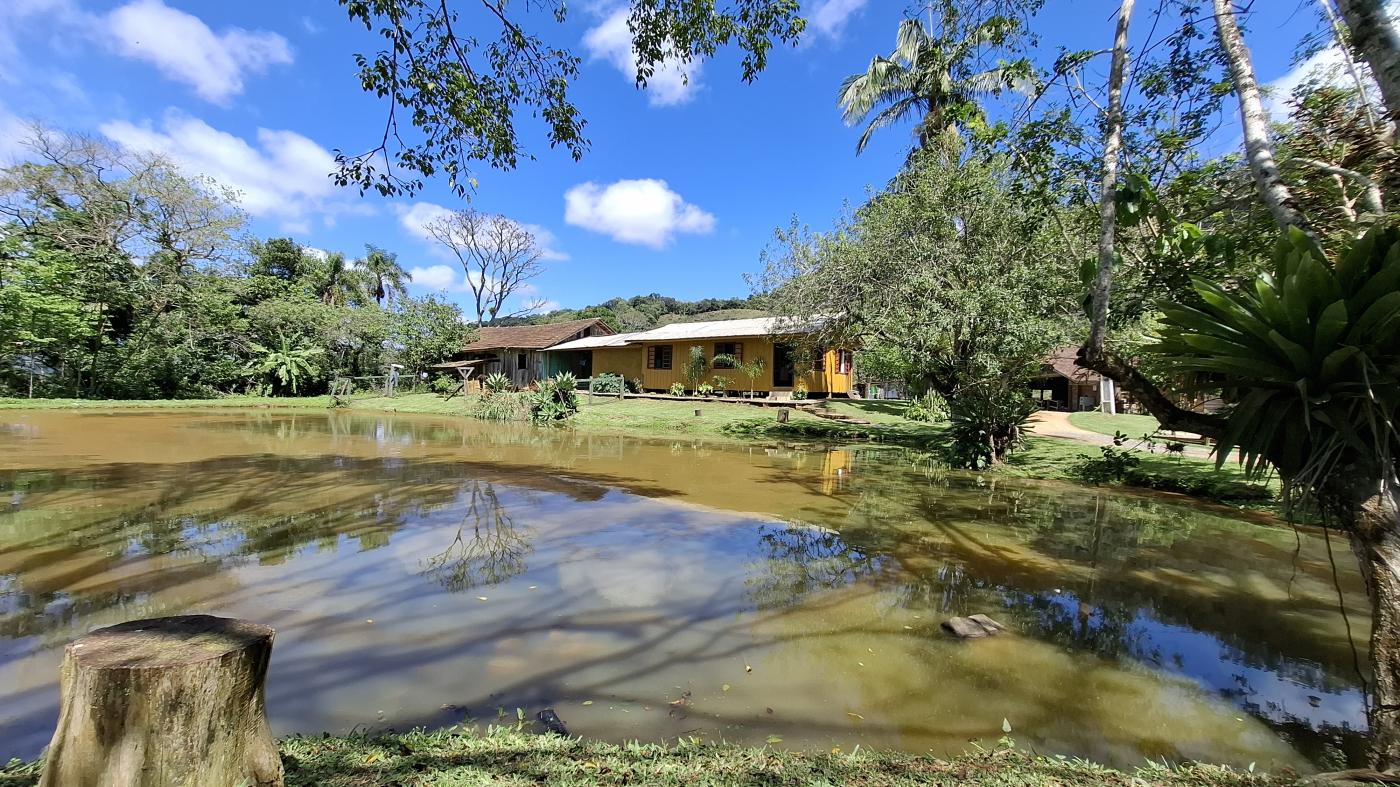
point(522, 361)
point(818, 361)
point(844, 361)
point(659, 356)
point(735, 349)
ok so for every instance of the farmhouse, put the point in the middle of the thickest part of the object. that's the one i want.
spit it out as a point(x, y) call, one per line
point(518, 351)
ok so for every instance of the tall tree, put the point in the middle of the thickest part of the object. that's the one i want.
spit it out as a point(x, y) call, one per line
point(1108, 184)
point(385, 276)
point(933, 75)
point(1374, 35)
point(1258, 141)
point(499, 257)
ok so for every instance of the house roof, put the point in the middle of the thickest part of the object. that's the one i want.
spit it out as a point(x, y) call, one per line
point(1061, 362)
point(532, 337)
point(717, 329)
point(595, 342)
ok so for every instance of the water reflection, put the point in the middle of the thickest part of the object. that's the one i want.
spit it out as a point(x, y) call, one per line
point(625, 573)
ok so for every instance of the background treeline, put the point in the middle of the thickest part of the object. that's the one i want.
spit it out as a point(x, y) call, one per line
point(122, 277)
point(642, 312)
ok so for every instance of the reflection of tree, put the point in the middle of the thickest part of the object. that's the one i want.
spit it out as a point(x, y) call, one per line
point(493, 551)
point(804, 559)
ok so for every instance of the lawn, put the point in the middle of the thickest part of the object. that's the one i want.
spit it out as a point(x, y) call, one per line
point(509, 756)
point(1103, 423)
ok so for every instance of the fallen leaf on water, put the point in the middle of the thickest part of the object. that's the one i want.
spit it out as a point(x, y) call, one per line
point(748, 668)
point(770, 711)
point(725, 687)
point(588, 702)
point(1006, 725)
point(855, 715)
point(861, 663)
point(369, 620)
point(911, 628)
point(835, 749)
point(775, 739)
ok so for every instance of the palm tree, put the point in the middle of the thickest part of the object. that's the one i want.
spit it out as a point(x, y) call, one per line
point(386, 277)
point(931, 77)
point(343, 283)
point(286, 365)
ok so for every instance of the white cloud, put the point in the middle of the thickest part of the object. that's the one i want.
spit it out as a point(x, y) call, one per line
point(645, 212)
point(12, 131)
point(829, 18)
point(284, 177)
point(672, 83)
point(1325, 67)
point(183, 48)
point(438, 277)
point(416, 217)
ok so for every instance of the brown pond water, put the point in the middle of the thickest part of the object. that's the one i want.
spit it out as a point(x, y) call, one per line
point(422, 570)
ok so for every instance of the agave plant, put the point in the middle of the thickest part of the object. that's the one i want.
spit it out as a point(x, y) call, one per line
point(1310, 357)
point(497, 382)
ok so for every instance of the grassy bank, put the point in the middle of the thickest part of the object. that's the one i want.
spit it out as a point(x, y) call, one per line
point(1103, 423)
point(458, 757)
point(1042, 457)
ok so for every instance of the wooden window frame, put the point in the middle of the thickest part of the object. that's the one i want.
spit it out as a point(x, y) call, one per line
point(522, 362)
point(655, 360)
point(845, 360)
point(737, 352)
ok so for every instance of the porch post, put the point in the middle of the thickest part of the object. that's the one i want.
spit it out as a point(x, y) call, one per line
point(1108, 402)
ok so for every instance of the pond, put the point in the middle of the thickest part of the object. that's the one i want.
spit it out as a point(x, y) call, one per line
point(422, 571)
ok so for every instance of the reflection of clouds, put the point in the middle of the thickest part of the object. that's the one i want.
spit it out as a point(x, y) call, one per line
point(637, 577)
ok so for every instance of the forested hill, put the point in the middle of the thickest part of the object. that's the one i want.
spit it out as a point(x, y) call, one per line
point(641, 312)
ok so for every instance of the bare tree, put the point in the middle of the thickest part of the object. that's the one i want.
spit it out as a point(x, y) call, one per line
point(499, 256)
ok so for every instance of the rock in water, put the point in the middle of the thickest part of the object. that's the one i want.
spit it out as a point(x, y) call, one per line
point(972, 627)
point(551, 722)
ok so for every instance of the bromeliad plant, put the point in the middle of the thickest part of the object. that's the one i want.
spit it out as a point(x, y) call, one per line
point(1310, 358)
point(554, 399)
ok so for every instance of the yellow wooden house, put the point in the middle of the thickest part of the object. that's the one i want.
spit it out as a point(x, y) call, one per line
point(658, 357)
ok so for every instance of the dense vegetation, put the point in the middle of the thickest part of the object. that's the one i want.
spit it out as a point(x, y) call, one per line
point(121, 277)
point(642, 312)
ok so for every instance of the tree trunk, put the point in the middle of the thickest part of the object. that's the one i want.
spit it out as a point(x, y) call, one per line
point(1375, 538)
point(1374, 35)
point(169, 702)
point(1258, 143)
point(1108, 207)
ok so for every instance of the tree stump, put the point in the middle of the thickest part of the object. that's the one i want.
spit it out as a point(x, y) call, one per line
point(783, 413)
point(165, 702)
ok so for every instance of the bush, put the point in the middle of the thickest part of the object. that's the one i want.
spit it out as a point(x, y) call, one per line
point(636, 384)
point(986, 422)
point(609, 383)
point(929, 408)
point(799, 392)
point(678, 389)
point(720, 384)
point(502, 406)
point(705, 390)
point(443, 384)
point(496, 382)
point(554, 399)
point(1114, 466)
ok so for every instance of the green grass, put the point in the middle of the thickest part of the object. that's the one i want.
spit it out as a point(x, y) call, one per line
point(509, 756)
point(1103, 423)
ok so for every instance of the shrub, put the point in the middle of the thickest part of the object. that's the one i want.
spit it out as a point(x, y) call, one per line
point(720, 384)
point(986, 421)
point(636, 384)
point(609, 383)
point(705, 390)
point(695, 367)
point(554, 399)
point(799, 392)
point(496, 382)
point(502, 406)
point(1115, 465)
point(443, 384)
point(929, 408)
point(678, 389)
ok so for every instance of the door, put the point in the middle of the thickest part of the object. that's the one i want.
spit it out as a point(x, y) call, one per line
point(783, 372)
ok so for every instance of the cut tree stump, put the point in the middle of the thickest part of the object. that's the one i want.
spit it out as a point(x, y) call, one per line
point(168, 702)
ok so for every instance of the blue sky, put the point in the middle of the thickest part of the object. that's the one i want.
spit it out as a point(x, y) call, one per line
point(679, 193)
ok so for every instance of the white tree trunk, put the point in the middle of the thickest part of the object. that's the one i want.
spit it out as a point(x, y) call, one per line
point(1374, 35)
point(1258, 143)
point(170, 702)
point(1108, 208)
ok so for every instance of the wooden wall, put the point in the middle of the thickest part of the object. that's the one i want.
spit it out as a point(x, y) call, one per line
point(827, 381)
